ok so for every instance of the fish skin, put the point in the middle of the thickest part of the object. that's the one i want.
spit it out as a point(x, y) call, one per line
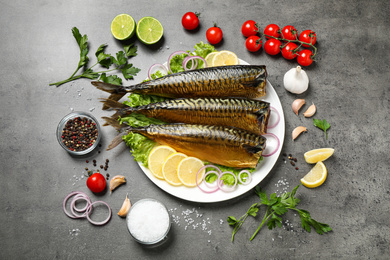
point(215, 144)
point(243, 81)
point(250, 115)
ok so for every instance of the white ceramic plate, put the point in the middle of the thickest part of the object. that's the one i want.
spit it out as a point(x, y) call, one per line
point(262, 170)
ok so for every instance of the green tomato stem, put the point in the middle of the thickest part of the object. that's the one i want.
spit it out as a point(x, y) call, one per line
point(295, 41)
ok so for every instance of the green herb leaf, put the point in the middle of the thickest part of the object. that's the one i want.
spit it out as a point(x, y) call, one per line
point(322, 124)
point(112, 79)
point(140, 146)
point(103, 59)
point(129, 71)
point(82, 41)
point(130, 50)
point(90, 74)
point(232, 220)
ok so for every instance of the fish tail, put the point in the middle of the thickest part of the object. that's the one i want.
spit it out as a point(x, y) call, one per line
point(110, 103)
point(113, 122)
point(116, 141)
point(117, 92)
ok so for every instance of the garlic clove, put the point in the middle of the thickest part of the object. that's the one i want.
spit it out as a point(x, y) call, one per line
point(310, 111)
point(116, 181)
point(125, 207)
point(297, 131)
point(297, 104)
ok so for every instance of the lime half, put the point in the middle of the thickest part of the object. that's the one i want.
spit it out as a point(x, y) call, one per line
point(123, 27)
point(149, 30)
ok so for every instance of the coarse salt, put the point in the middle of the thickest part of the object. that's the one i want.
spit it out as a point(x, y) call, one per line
point(148, 221)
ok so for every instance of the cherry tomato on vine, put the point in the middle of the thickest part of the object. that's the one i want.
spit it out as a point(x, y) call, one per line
point(214, 35)
point(308, 36)
point(253, 43)
point(249, 28)
point(304, 57)
point(289, 51)
point(96, 182)
point(190, 21)
point(272, 30)
point(272, 46)
point(289, 32)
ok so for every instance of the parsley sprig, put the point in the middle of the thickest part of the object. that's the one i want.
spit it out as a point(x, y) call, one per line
point(322, 124)
point(105, 60)
point(276, 208)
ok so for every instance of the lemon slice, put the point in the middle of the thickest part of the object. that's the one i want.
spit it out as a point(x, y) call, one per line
point(316, 176)
point(317, 155)
point(224, 58)
point(209, 58)
point(187, 170)
point(149, 30)
point(169, 168)
point(157, 157)
point(123, 27)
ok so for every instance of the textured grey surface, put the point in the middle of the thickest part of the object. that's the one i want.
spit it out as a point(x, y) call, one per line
point(349, 84)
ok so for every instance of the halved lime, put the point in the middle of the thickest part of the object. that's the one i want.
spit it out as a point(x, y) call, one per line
point(123, 27)
point(149, 30)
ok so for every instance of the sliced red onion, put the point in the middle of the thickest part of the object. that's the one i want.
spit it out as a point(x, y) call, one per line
point(204, 178)
point(247, 181)
point(277, 120)
point(172, 55)
point(221, 185)
point(89, 210)
point(203, 168)
point(150, 71)
point(73, 208)
point(195, 63)
point(66, 199)
point(277, 146)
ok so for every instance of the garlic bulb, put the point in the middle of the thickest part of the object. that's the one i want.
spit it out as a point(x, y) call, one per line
point(296, 80)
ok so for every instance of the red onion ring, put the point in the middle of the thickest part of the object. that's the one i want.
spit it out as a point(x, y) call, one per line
point(194, 65)
point(171, 56)
point(89, 210)
point(204, 178)
point(277, 147)
point(247, 181)
point(83, 210)
point(66, 199)
point(277, 121)
point(203, 168)
point(156, 65)
point(232, 188)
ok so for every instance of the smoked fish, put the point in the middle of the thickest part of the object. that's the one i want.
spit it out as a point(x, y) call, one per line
point(215, 144)
point(243, 81)
point(250, 115)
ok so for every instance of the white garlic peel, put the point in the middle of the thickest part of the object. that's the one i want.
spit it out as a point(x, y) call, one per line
point(296, 80)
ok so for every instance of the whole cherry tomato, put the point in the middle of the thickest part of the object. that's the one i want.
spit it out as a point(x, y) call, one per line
point(253, 43)
point(214, 35)
point(289, 32)
point(304, 57)
point(190, 21)
point(96, 182)
point(289, 51)
point(272, 30)
point(308, 36)
point(249, 28)
point(272, 46)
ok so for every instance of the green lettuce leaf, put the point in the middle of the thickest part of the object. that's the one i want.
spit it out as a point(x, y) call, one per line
point(140, 147)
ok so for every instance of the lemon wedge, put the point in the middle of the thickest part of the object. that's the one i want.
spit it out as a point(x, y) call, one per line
point(187, 170)
point(316, 176)
point(169, 168)
point(157, 157)
point(318, 155)
point(223, 58)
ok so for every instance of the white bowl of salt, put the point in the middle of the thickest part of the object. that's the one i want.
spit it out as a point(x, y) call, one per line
point(148, 221)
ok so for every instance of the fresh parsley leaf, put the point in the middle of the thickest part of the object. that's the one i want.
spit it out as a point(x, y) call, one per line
point(130, 50)
point(129, 71)
point(274, 221)
point(322, 124)
point(112, 79)
point(103, 59)
point(232, 220)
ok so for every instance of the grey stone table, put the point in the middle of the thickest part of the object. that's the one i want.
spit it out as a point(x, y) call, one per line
point(349, 83)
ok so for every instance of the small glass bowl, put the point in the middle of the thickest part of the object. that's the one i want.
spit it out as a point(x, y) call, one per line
point(72, 116)
point(142, 217)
